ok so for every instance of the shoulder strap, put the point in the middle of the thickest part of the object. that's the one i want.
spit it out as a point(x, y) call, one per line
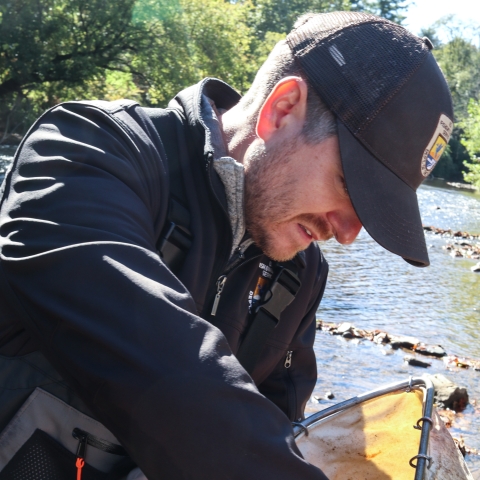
point(167, 122)
point(267, 315)
point(176, 238)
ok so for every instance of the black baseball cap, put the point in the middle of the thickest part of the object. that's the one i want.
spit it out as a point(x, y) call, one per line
point(394, 116)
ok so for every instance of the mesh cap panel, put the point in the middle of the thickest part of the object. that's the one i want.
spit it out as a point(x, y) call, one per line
point(356, 62)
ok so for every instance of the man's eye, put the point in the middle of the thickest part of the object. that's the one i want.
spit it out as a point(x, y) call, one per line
point(340, 185)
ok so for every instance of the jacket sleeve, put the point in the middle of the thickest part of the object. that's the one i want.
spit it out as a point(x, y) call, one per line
point(79, 221)
point(292, 381)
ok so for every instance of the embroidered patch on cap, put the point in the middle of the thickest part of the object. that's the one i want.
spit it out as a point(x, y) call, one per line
point(437, 145)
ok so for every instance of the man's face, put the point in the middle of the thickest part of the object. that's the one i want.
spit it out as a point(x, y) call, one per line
point(295, 194)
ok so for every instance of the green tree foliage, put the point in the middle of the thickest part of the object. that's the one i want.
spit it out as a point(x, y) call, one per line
point(471, 140)
point(58, 40)
point(280, 15)
point(194, 39)
point(459, 60)
point(389, 9)
point(52, 49)
point(451, 166)
point(460, 63)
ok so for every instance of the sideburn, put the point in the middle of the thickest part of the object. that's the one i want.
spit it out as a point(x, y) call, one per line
point(265, 199)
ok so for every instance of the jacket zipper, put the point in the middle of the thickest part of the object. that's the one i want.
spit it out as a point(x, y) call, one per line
point(220, 284)
point(225, 250)
point(291, 393)
point(288, 359)
point(237, 260)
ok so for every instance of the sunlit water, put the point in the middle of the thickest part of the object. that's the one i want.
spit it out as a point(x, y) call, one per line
point(372, 288)
point(6, 153)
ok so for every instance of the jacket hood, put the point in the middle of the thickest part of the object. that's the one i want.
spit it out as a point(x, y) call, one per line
point(190, 101)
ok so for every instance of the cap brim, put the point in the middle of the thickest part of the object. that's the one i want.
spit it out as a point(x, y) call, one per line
point(385, 204)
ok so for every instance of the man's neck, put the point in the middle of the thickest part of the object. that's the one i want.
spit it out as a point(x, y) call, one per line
point(237, 133)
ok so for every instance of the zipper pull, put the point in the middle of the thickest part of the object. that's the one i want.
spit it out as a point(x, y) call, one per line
point(220, 284)
point(288, 359)
point(240, 252)
point(209, 158)
point(81, 436)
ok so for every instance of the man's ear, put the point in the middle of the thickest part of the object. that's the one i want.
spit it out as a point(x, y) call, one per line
point(284, 109)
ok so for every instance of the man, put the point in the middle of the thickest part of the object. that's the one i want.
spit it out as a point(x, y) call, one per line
point(337, 131)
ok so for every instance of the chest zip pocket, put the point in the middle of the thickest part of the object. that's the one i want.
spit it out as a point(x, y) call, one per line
point(267, 315)
point(84, 439)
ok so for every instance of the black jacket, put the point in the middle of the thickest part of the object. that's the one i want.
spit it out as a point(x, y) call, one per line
point(82, 211)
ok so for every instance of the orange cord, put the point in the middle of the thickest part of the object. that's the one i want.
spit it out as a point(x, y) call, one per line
point(79, 464)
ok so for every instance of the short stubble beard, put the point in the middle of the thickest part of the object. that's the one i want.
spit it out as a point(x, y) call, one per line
point(269, 192)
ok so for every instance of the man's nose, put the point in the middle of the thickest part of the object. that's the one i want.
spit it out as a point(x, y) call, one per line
point(346, 227)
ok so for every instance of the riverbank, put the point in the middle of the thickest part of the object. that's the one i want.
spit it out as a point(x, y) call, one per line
point(468, 248)
point(397, 341)
point(463, 186)
point(459, 186)
point(11, 139)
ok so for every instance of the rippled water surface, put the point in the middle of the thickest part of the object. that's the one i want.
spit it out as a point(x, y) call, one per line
point(6, 154)
point(372, 288)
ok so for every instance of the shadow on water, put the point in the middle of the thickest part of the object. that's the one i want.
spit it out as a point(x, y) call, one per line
point(372, 288)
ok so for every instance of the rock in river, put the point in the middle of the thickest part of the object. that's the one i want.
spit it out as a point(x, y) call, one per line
point(476, 268)
point(433, 350)
point(448, 394)
point(344, 328)
point(403, 341)
point(416, 363)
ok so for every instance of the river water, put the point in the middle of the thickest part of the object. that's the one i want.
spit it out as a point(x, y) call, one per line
point(6, 153)
point(374, 289)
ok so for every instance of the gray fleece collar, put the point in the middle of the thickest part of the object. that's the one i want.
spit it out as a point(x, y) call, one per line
point(231, 173)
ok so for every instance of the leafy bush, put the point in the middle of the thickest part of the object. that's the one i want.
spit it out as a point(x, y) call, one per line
point(471, 140)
